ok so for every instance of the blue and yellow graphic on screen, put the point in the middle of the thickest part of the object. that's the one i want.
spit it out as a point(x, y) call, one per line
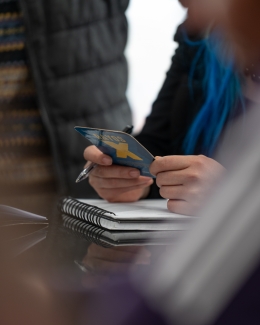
point(123, 148)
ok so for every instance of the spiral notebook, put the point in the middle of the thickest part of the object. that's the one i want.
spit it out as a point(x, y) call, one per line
point(143, 215)
point(106, 238)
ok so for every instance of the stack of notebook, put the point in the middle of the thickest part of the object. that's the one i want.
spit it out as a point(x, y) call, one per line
point(145, 221)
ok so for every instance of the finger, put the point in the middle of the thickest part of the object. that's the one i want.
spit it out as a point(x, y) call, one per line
point(178, 177)
point(92, 153)
point(113, 255)
point(178, 192)
point(131, 194)
point(181, 207)
point(106, 266)
point(141, 260)
point(133, 249)
point(109, 254)
point(116, 171)
point(120, 183)
point(167, 163)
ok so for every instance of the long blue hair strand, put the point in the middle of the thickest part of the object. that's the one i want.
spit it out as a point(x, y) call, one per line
point(222, 93)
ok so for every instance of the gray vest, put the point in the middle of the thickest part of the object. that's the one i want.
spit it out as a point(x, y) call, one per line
point(76, 51)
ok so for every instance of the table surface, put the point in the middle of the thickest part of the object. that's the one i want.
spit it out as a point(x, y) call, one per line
point(66, 270)
point(50, 274)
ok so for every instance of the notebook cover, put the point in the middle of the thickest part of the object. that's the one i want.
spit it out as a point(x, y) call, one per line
point(104, 237)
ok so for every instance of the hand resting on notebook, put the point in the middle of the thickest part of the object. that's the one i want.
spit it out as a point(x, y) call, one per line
point(185, 180)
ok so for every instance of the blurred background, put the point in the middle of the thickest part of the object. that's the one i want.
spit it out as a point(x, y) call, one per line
point(149, 50)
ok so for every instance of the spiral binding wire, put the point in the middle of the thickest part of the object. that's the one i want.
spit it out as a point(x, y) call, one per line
point(83, 211)
point(88, 231)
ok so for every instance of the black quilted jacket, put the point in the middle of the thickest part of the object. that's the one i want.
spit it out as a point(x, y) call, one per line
point(76, 51)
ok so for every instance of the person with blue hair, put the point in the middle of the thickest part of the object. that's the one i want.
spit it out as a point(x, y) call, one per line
point(202, 93)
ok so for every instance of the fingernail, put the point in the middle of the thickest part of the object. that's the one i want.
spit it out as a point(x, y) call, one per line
point(134, 173)
point(106, 161)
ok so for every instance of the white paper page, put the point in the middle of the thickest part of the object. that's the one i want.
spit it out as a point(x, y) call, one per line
point(141, 210)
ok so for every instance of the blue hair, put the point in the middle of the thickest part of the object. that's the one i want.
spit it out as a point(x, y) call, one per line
point(222, 93)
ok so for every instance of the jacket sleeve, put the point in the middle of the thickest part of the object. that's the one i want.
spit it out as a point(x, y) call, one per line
point(156, 133)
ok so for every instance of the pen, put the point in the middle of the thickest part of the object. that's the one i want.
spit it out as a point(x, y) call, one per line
point(85, 173)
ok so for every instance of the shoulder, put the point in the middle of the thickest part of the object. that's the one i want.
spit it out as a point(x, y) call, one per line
point(182, 33)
